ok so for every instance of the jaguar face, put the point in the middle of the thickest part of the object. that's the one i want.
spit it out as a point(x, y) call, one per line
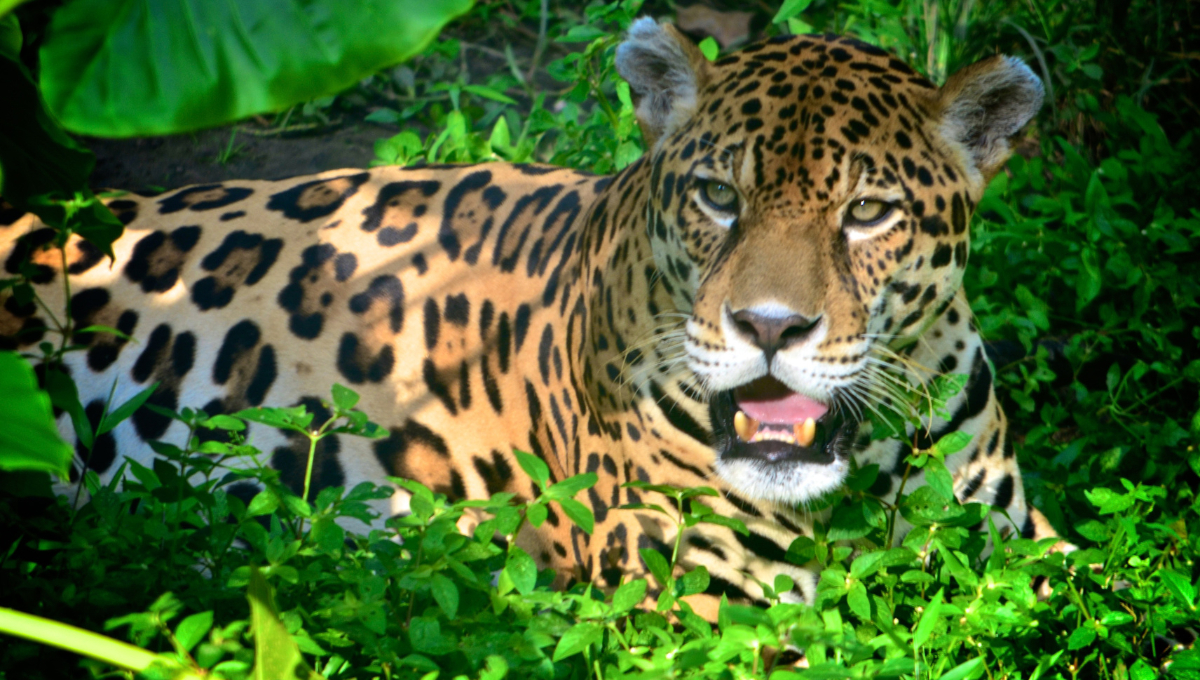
point(809, 204)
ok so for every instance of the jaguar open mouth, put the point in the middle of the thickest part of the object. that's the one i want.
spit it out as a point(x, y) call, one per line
point(766, 422)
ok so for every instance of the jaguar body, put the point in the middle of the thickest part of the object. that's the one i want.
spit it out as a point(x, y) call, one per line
point(722, 312)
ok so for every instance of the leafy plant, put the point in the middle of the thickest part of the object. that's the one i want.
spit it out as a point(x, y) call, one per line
point(94, 54)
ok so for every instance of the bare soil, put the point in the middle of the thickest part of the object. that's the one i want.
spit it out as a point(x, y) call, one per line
point(156, 163)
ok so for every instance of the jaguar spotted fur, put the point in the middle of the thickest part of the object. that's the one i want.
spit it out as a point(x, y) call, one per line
point(718, 313)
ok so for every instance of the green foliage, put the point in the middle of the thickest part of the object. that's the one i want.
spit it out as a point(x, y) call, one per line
point(416, 596)
point(29, 440)
point(592, 126)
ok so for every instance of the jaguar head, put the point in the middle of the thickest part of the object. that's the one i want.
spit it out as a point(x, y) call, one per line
point(809, 207)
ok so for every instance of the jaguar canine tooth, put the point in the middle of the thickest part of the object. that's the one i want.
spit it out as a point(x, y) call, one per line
point(745, 426)
point(805, 432)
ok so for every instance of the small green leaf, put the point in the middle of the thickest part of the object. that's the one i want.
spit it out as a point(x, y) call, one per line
point(666, 601)
point(968, 670)
point(521, 569)
point(263, 503)
point(657, 564)
point(1113, 377)
point(534, 467)
point(296, 418)
point(867, 564)
point(343, 397)
point(789, 9)
point(536, 513)
point(496, 668)
point(65, 396)
point(849, 522)
point(862, 478)
point(929, 619)
point(924, 506)
point(1081, 637)
point(328, 536)
point(500, 138)
point(383, 115)
point(693, 582)
point(1109, 501)
point(144, 475)
point(577, 638)
point(802, 551)
point(859, 601)
point(939, 479)
point(114, 418)
point(579, 513)
point(628, 152)
point(489, 93)
point(1094, 531)
point(709, 48)
point(224, 422)
point(1140, 670)
point(297, 505)
point(1180, 587)
point(581, 33)
point(728, 522)
point(1090, 280)
point(569, 487)
point(427, 637)
point(951, 443)
point(445, 593)
point(1116, 619)
point(192, 630)
point(629, 595)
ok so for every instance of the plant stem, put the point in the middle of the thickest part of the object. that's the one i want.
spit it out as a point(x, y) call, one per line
point(544, 19)
point(66, 331)
point(312, 454)
point(412, 600)
point(83, 642)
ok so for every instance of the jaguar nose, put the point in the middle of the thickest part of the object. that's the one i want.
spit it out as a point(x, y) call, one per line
point(772, 333)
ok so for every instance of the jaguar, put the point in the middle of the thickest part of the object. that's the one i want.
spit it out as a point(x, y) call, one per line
point(722, 312)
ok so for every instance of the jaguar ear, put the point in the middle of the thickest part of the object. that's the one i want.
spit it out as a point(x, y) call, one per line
point(985, 104)
point(665, 72)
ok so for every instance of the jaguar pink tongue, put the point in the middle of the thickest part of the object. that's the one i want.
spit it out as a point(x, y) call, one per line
point(771, 402)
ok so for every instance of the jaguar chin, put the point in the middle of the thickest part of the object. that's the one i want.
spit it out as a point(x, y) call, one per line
point(776, 444)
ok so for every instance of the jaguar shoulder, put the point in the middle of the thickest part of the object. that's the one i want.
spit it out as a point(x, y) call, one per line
point(718, 313)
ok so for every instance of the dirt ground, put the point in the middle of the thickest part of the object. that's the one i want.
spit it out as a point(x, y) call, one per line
point(156, 163)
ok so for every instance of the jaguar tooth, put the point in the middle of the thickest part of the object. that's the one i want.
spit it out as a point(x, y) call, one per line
point(745, 426)
point(805, 432)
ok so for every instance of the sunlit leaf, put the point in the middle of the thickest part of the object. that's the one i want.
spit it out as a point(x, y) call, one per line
point(131, 67)
point(29, 440)
point(275, 653)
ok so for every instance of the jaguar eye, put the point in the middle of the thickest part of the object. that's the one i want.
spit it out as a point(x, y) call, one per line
point(867, 211)
point(719, 195)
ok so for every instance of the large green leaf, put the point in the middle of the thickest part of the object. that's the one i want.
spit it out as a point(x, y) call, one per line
point(275, 652)
point(119, 68)
point(28, 438)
